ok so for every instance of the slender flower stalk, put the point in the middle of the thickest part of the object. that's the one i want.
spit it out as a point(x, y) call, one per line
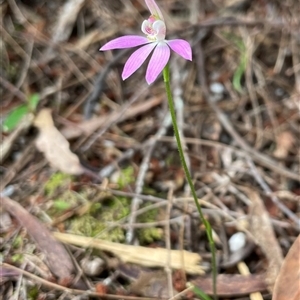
point(155, 30)
point(208, 229)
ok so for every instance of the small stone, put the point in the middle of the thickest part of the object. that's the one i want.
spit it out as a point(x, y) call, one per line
point(5, 221)
point(92, 266)
point(237, 241)
point(217, 88)
point(279, 92)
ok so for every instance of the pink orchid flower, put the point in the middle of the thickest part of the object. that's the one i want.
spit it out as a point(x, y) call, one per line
point(155, 30)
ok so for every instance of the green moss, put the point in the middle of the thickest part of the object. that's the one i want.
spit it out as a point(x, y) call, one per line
point(115, 208)
point(57, 180)
point(149, 235)
point(95, 223)
point(17, 258)
point(32, 293)
point(85, 225)
point(89, 226)
point(61, 205)
point(66, 201)
point(17, 242)
point(95, 208)
point(126, 177)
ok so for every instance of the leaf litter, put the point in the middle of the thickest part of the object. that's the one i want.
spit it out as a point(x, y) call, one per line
point(54, 145)
point(242, 144)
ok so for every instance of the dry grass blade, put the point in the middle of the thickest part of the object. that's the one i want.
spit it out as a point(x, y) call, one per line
point(148, 257)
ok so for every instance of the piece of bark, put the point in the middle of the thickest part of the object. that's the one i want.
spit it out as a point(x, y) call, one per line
point(232, 285)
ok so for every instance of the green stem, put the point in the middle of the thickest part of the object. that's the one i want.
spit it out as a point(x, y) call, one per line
point(208, 228)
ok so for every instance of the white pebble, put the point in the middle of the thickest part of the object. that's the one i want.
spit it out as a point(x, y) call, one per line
point(92, 267)
point(217, 88)
point(237, 241)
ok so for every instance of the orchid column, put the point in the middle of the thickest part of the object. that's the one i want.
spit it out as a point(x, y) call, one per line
point(154, 41)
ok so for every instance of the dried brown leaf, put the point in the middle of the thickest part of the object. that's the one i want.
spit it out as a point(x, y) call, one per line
point(54, 145)
point(262, 230)
point(284, 142)
point(287, 285)
point(59, 261)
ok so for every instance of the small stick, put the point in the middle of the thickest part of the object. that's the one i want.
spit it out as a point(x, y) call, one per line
point(142, 174)
point(99, 85)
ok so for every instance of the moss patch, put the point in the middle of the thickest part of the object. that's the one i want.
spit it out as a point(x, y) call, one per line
point(151, 234)
point(57, 181)
point(96, 222)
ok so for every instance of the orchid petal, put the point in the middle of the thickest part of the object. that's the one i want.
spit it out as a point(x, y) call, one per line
point(136, 60)
point(127, 41)
point(181, 47)
point(158, 61)
point(154, 9)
